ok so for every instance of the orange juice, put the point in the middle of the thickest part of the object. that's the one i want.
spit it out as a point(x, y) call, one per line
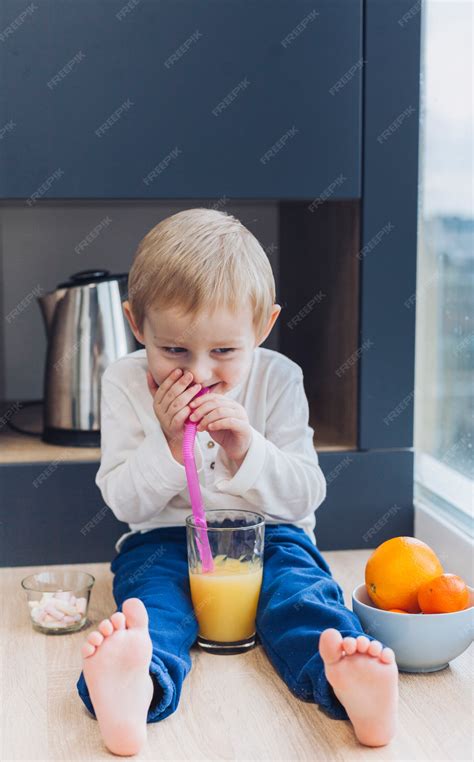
point(225, 600)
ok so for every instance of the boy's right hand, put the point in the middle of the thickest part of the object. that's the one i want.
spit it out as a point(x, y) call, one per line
point(170, 403)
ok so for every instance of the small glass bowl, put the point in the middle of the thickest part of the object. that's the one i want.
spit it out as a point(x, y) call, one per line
point(58, 600)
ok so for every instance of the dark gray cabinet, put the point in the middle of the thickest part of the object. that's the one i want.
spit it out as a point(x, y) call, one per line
point(65, 520)
point(389, 224)
point(288, 100)
point(179, 98)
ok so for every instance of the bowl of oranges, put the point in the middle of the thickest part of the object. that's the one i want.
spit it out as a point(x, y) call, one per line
point(410, 604)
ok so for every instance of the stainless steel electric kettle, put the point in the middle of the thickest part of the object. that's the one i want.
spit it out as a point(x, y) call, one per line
point(87, 330)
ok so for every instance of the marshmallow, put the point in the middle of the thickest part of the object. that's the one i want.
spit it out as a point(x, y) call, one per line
point(58, 609)
point(66, 608)
point(63, 596)
point(51, 609)
point(81, 604)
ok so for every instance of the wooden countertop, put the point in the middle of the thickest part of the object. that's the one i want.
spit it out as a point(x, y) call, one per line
point(231, 707)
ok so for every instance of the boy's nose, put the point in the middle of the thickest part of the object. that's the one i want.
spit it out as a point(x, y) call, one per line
point(201, 376)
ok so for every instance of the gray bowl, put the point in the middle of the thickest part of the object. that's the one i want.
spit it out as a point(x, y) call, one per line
point(421, 642)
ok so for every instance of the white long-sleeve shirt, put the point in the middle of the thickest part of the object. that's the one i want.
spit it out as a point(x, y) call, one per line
point(146, 487)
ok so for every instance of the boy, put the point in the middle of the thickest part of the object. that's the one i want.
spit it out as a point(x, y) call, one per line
point(202, 300)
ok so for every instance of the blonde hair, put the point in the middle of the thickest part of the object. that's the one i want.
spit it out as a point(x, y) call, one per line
point(201, 259)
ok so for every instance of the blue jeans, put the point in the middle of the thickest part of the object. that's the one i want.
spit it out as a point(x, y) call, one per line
point(299, 599)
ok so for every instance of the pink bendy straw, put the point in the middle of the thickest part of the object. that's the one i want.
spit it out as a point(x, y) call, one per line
point(194, 487)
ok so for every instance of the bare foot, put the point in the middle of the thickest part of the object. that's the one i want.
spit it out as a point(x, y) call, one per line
point(116, 669)
point(364, 677)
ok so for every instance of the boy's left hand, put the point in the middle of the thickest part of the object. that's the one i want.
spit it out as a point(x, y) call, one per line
point(226, 421)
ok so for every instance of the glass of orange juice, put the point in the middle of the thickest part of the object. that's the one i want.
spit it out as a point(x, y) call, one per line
point(225, 600)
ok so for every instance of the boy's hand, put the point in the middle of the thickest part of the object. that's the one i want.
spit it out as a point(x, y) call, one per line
point(227, 423)
point(170, 403)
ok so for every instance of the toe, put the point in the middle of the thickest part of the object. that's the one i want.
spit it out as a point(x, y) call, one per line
point(106, 627)
point(330, 646)
point(349, 645)
point(95, 638)
point(87, 650)
point(362, 644)
point(135, 613)
point(118, 620)
point(375, 648)
point(387, 656)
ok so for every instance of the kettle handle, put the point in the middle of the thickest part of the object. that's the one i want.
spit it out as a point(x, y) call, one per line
point(87, 274)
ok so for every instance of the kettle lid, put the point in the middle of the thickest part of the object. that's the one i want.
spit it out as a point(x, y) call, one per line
point(84, 277)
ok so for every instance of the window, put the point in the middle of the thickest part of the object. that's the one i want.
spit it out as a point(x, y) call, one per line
point(444, 409)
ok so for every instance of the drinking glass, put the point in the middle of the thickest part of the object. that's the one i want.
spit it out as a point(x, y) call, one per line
point(225, 600)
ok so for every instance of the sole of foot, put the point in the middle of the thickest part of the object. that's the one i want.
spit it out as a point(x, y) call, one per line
point(116, 670)
point(364, 677)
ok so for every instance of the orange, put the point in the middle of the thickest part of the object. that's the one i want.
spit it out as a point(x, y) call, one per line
point(397, 569)
point(398, 611)
point(443, 594)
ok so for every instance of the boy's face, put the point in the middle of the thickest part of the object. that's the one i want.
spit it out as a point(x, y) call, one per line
point(215, 347)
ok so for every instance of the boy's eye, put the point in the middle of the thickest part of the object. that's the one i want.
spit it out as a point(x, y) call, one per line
point(179, 350)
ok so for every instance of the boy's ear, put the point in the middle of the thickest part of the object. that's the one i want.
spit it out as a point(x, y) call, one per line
point(129, 315)
point(273, 317)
